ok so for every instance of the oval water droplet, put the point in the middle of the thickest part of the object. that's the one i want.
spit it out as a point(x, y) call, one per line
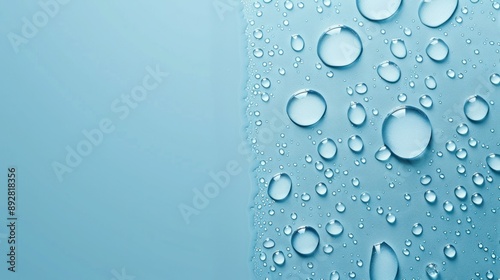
point(495, 79)
point(430, 82)
point(426, 101)
point(448, 206)
point(268, 243)
point(327, 148)
point(430, 196)
point(279, 258)
point(460, 192)
point(389, 71)
point(493, 161)
point(356, 113)
point(383, 154)
point(398, 48)
point(339, 46)
point(305, 240)
point(378, 9)
point(384, 264)
point(306, 107)
point(432, 271)
point(280, 187)
point(437, 49)
point(450, 251)
point(355, 143)
point(476, 108)
point(334, 275)
point(297, 42)
point(477, 199)
point(434, 13)
point(321, 189)
point(334, 228)
point(407, 132)
point(361, 88)
point(478, 179)
point(417, 229)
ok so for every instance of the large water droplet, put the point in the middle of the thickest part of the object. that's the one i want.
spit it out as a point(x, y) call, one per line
point(493, 161)
point(378, 9)
point(355, 143)
point(334, 228)
point(384, 264)
point(327, 148)
point(477, 199)
point(306, 107)
point(476, 108)
point(417, 229)
point(495, 79)
point(426, 101)
point(432, 271)
point(356, 113)
point(430, 82)
point(305, 240)
point(437, 49)
point(407, 132)
point(398, 48)
point(389, 71)
point(280, 186)
point(297, 43)
point(430, 196)
point(450, 251)
point(279, 258)
point(334, 275)
point(433, 13)
point(339, 46)
point(460, 192)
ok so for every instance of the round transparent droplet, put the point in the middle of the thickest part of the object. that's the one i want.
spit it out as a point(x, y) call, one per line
point(334, 275)
point(327, 148)
point(434, 13)
point(476, 108)
point(495, 79)
point(390, 218)
point(462, 129)
point(361, 88)
point(340, 207)
point(365, 197)
point(383, 154)
point(389, 71)
point(425, 180)
point(477, 199)
point(430, 196)
point(426, 101)
point(448, 206)
point(279, 258)
point(432, 271)
point(451, 146)
point(321, 189)
point(493, 161)
point(378, 9)
point(356, 113)
point(478, 179)
point(437, 49)
point(268, 243)
point(460, 192)
point(449, 251)
point(339, 46)
point(407, 132)
point(334, 228)
point(355, 143)
point(461, 153)
point(297, 42)
point(430, 82)
point(417, 229)
point(398, 48)
point(306, 107)
point(305, 240)
point(280, 187)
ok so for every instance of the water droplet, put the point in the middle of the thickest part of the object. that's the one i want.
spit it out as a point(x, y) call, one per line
point(378, 9)
point(417, 229)
point(258, 53)
point(384, 264)
point(340, 207)
point(461, 153)
point(355, 143)
point(398, 48)
point(478, 179)
point(430, 196)
point(437, 49)
point(389, 71)
point(430, 82)
point(433, 13)
point(327, 148)
point(426, 101)
point(460, 192)
point(425, 180)
point(280, 187)
point(495, 79)
point(493, 161)
point(361, 88)
point(356, 113)
point(288, 5)
point(365, 197)
point(462, 129)
point(476, 108)
point(390, 218)
point(432, 271)
point(339, 46)
point(268, 243)
point(306, 107)
point(450, 251)
point(407, 132)
point(305, 240)
point(448, 206)
point(477, 199)
point(383, 154)
point(450, 73)
point(334, 228)
point(257, 33)
point(279, 258)
point(451, 146)
point(334, 275)
point(297, 43)
point(321, 189)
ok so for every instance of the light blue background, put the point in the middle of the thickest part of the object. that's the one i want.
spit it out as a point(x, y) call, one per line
point(119, 208)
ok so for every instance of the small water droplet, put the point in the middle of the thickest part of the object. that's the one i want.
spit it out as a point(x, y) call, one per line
point(430, 196)
point(425, 180)
point(306, 107)
point(321, 189)
point(495, 79)
point(334, 228)
point(355, 143)
point(478, 179)
point(430, 82)
point(476, 108)
point(279, 258)
point(417, 229)
point(280, 187)
point(339, 46)
point(356, 113)
point(437, 49)
point(334, 275)
point(426, 101)
point(390, 218)
point(450, 251)
point(297, 43)
point(361, 88)
point(460, 192)
point(398, 48)
point(462, 129)
point(305, 240)
point(477, 199)
point(389, 71)
point(448, 206)
point(268, 243)
point(327, 148)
